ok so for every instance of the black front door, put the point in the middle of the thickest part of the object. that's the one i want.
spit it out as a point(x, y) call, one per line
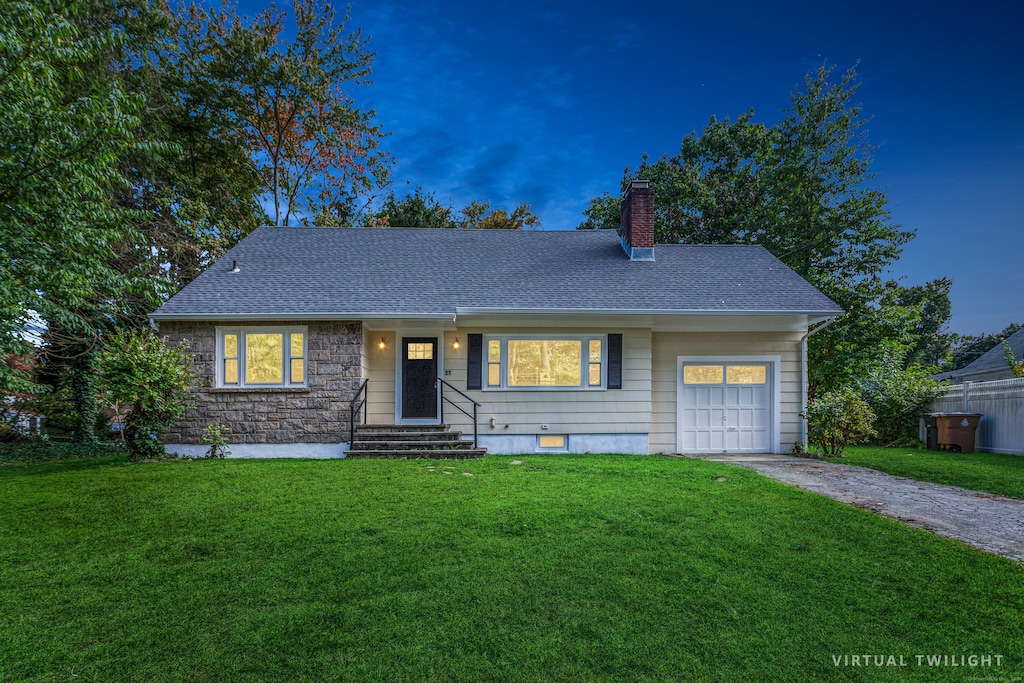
point(419, 376)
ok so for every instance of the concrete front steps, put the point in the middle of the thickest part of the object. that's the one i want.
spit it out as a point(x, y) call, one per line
point(437, 442)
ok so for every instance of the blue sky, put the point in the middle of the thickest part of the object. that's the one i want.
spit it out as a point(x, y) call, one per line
point(548, 102)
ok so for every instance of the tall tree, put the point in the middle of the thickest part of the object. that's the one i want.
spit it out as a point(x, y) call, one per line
point(197, 193)
point(931, 343)
point(419, 209)
point(803, 189)
point(313, 145)
point(416, 210)
point(479, 215)
point(66, 125)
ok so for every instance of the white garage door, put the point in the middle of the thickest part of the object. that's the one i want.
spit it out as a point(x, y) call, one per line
point(725, 407)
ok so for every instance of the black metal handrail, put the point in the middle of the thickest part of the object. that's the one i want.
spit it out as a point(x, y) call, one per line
point(444, 398)
point(353, 408)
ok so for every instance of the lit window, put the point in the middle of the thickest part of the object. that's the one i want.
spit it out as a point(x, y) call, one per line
point(728, 374)
point(494, 363)
point(564, 362)
point(261, 357)
point(702, 374)
point(594, 366)
point(419, 351)
point(230, 356)
point(551, 441)
point(746, 374)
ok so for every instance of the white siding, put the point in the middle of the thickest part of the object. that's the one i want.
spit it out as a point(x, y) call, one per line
point(381, 366)
point(523, 411)
point(666, 347)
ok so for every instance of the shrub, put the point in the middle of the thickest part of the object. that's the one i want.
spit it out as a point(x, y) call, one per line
point(147, 381)
point(33, 449)
point(216, 438)
point(898, 396)
point(838, 418)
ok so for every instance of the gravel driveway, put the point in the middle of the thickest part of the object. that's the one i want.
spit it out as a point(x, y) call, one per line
point(984, 520)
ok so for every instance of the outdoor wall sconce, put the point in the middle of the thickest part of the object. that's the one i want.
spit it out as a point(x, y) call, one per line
point(383, 344)
point(455, 344)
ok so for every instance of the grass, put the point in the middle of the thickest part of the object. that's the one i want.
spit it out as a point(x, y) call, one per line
point(991, 472)
point(618, 568)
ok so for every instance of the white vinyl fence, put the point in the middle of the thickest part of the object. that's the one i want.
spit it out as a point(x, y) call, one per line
point(1001, 404)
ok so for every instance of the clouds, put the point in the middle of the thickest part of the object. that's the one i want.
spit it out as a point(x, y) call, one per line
point(546, 103)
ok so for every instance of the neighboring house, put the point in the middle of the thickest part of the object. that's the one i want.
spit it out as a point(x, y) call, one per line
point(14, 416)
point(571, 341)
point(990, 365)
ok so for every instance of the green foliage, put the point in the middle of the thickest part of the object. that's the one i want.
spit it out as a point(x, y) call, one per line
point(838, 418)
point(215, 436)
point(969, 348)
point(422, 210)
point(480, 216)
point(898, 394)
point(66, 125)
point(1016, 366)
point(415, 210)
point(36, 449)
point(84, 394)
point(196, 189)
point(803, 189)
point(148, 381)
point(314, 148)
point(931, 344)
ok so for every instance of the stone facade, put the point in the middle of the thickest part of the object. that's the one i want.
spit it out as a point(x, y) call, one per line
point(317, 413)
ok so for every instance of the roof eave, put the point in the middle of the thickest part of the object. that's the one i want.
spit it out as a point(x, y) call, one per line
point(640, 311)
point(161, 317)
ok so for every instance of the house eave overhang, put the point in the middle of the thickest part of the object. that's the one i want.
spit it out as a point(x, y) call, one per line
point(639, 311)
point(812, 316)
point(347, 315)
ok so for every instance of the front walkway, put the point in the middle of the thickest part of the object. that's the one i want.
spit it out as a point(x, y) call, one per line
point(984, 520)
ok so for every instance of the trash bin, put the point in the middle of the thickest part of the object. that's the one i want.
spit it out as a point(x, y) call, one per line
point(954, 432)
point(931, 432)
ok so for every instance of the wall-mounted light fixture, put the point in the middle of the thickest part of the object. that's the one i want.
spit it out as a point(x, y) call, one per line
point(455, 344)
point(383, 344)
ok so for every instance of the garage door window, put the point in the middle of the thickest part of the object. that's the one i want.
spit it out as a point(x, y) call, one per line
point(702, 374)
point(746, 374)
point(729, 374)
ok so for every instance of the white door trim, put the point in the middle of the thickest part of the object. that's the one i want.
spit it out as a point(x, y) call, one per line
point(775, 373)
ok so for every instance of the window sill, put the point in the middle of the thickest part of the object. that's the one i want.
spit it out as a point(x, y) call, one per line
point(259, 390)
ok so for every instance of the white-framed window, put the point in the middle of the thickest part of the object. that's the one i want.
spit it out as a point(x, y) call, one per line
point(257, 357)
point(546, 361)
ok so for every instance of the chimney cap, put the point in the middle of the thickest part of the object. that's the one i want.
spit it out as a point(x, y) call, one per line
point(639, 184)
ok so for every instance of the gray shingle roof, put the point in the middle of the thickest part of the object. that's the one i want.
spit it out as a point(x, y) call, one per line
point(416, 271)
point(992, 361)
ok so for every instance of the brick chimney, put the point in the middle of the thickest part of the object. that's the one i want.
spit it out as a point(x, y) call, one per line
point(637, 229)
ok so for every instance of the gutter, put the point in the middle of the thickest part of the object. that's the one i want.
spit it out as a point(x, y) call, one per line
point(469, 310)
point(803, 376)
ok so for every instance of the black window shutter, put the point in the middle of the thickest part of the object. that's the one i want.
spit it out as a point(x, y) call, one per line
point(474, 363)
point(614, 361)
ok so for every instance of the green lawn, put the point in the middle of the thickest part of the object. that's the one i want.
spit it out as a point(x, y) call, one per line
point(1002, 474)
point(562, 568)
